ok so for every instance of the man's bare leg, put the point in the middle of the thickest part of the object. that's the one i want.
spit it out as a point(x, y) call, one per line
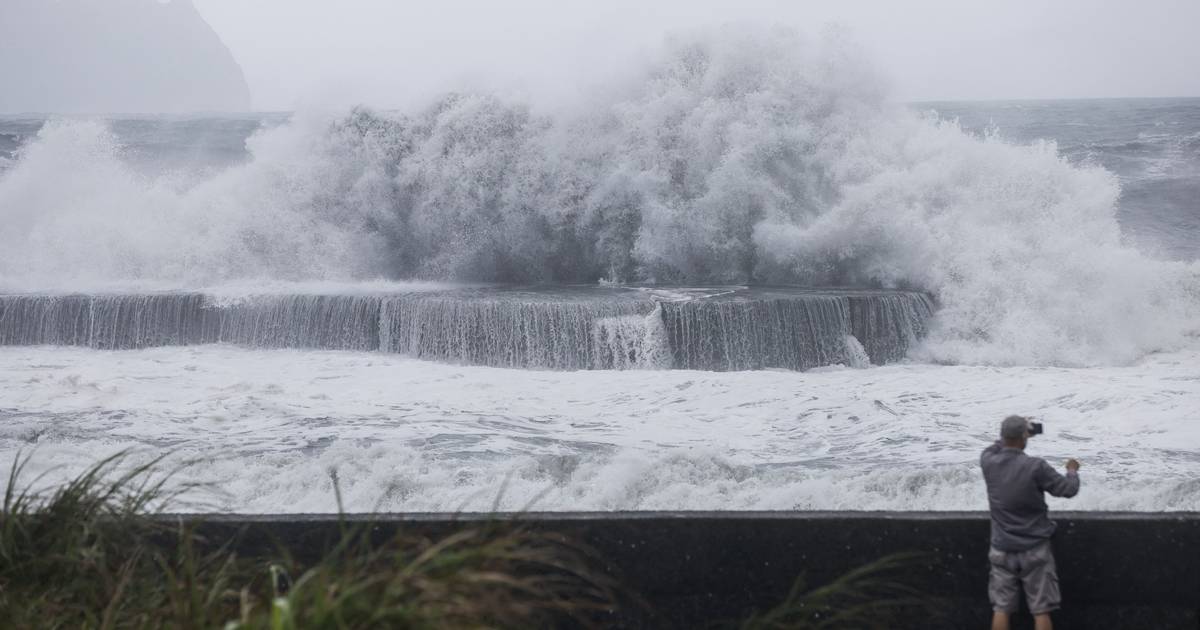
point(1042, 622)
point(1000, 621)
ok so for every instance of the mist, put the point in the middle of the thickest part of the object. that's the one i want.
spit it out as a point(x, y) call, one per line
point(303, 53)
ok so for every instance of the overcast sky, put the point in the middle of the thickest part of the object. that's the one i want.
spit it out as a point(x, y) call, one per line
point(393, 53)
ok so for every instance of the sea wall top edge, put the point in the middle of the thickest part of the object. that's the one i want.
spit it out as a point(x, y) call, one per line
point(384, 289)
point(484, 517)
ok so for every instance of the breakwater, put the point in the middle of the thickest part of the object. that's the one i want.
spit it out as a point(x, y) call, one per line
point(540, 328)
point(1117, 570)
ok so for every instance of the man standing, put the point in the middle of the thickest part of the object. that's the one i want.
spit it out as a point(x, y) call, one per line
point(1020, 556)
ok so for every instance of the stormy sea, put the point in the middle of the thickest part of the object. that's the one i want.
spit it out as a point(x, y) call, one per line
point(741, 278)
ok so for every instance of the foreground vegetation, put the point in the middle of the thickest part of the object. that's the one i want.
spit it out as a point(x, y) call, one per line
point(90, 554)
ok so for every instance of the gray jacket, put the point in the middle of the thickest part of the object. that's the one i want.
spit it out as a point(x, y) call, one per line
point(1015, 483)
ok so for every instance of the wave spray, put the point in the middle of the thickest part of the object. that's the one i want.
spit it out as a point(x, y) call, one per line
point(739, 156)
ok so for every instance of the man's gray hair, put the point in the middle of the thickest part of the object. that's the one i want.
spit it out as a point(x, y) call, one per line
point(1014, 427)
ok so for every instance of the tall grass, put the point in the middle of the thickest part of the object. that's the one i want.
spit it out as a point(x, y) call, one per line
point(86, 555)
point(89, 554)
point(478, 577)
point(76, 556)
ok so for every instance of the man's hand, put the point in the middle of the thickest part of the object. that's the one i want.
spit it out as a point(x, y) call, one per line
point(1072, 465)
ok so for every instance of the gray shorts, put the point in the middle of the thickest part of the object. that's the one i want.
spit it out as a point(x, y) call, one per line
point(1032, 569)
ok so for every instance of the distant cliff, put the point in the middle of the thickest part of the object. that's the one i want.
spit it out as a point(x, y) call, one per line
point(107, 56)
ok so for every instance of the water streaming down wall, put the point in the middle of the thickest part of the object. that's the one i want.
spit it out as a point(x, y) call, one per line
point(888, 324)
point(560, 329)
point(116, 322)
point(107, 321)
point(332, 322)
point(794, 330)
point(530, 330)
point(629, 342)
point(749, 335)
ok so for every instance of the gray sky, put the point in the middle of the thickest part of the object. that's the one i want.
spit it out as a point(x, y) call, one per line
point(393, 53)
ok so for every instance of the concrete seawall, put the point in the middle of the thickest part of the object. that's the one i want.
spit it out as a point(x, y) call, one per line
point(539, 327)
point(695, 569)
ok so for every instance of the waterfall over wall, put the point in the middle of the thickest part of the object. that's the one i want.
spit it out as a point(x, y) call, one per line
point(107, 321)
point(121, 322)
point(887, 325)
point(794, 331)
point(512, 332)
point(333, 322)
point(567, 328)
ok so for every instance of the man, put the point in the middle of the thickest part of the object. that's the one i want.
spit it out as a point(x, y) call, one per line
point(1020, 555)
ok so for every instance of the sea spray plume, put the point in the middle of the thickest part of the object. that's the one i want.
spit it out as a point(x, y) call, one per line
point(492, 191)
point(477, 192)
point(311, 204)
point(733, 128)
point(743, 155)
point(728, 128)
point(75, 214)
point(67, 206)
point(749, 156)
point(1022, 249)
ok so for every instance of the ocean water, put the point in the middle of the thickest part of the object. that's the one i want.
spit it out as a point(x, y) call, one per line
point(1057, 242)
point(1152, 145)
point(268, 427)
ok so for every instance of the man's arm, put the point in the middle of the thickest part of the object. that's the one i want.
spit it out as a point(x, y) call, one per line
point(1057, 485)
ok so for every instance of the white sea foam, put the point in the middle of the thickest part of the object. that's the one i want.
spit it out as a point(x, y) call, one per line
point(406, 435)
point(740, 156)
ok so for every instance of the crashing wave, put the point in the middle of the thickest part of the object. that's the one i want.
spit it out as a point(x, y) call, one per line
point(742, 156)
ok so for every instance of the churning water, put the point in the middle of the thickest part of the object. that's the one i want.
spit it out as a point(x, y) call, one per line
point(1037, 257)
